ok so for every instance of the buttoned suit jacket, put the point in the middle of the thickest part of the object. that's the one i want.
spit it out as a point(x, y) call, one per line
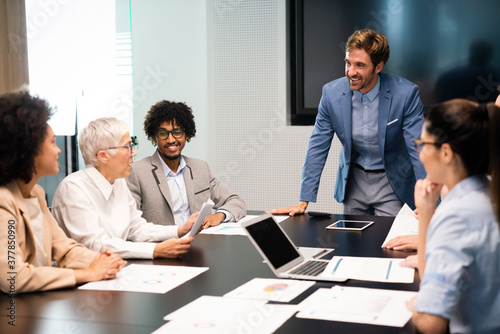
point(17, 246)
point(149, 187)
point(400, 120)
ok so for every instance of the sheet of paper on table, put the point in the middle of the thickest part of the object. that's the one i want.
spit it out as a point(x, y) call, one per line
point(210, 314)
point(405, 223)
point(147, 278)
point(235, 228)
point(279, 290)
point(369, 269)
point(358, 305)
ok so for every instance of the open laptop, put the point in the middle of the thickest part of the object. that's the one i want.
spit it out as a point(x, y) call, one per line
point(280, 252)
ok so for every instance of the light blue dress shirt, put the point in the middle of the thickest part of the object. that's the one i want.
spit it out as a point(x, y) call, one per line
point(177, 188)
point(177, 191)
point(462, 273)
point(365, 147)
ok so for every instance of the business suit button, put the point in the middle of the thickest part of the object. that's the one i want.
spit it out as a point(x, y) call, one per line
point(347, 163)
point(345, 178)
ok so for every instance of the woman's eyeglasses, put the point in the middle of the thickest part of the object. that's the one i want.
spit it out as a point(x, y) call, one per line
point(135, 143)
point(419, 144)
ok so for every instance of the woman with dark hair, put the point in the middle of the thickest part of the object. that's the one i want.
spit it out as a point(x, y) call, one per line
point(30, 238)
point(459, 242)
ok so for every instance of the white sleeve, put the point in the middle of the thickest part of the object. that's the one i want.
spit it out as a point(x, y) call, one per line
point(76, 214)
point(141, 230)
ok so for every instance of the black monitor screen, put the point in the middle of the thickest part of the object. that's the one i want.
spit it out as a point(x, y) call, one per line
point(273, 242)
point(449, 48)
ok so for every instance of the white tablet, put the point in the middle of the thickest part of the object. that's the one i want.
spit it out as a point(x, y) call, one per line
point(206, 209)
point(349, 225)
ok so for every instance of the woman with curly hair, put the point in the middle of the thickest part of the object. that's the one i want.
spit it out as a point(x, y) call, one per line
point(30, 238)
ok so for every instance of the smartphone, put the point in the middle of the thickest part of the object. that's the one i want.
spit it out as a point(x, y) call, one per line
point(349, 225)
point(319, 214)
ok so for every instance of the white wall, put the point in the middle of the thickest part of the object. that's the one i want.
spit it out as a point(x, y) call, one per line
point(169, 55)
point(227, 59)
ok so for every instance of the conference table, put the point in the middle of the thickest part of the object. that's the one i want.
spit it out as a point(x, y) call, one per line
point(232, 261)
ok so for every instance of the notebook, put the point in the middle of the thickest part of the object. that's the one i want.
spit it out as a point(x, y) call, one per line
point(280, 252)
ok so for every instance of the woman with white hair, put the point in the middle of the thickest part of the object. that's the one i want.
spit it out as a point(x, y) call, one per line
point(95, 207)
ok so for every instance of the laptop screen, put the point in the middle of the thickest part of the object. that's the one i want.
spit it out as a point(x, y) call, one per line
point(273, 242)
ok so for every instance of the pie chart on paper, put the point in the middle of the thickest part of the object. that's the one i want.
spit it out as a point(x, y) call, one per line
point(275, 287)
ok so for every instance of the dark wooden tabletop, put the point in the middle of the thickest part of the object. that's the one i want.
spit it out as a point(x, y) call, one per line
point(232, 260)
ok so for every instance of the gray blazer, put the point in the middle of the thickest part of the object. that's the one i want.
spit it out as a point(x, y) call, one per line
point(149, 187)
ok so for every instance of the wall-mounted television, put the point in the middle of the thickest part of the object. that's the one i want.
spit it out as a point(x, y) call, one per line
point(449, 48)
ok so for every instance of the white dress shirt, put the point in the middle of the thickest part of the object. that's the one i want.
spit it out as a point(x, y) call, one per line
point(104, 216)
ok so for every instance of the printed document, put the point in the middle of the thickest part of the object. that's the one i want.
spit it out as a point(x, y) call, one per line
point(405, 223)
point(147, 278)
point(358, 305)
point(235, 228)
point(369, 269)
point(279, 290)
point(209, 314)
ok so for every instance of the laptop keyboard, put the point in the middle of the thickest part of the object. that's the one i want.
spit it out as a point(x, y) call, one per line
point(310, 268)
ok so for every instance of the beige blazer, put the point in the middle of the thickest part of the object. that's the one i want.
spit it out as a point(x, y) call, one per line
point(17, 247)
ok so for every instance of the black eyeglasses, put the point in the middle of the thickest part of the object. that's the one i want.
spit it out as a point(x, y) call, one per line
point(419, 145)
point(135, 143)
point(176, 133)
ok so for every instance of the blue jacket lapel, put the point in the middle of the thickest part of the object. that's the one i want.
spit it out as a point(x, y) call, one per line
point(384, 108)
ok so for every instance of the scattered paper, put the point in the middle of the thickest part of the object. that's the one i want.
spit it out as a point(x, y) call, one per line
point(209, 314)
point(358, 305)
point(225, 229)
point(147, 278)
point(279, 290)
point(369, 269)
point(235, 228)
point(405, 223)
point(280, 218)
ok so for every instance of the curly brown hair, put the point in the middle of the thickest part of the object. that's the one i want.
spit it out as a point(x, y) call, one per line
point(166, 111)
point(23, 128)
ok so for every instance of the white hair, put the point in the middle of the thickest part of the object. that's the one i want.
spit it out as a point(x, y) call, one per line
point(99, 135)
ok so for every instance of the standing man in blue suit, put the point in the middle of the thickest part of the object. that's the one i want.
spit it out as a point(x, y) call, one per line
point(376, 117)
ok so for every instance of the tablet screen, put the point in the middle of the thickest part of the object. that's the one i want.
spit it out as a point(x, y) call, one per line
point(352, 225)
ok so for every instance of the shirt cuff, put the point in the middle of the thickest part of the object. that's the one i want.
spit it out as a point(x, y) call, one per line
point(228, 214)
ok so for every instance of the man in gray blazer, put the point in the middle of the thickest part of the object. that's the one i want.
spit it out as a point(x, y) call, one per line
point(168, 186)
